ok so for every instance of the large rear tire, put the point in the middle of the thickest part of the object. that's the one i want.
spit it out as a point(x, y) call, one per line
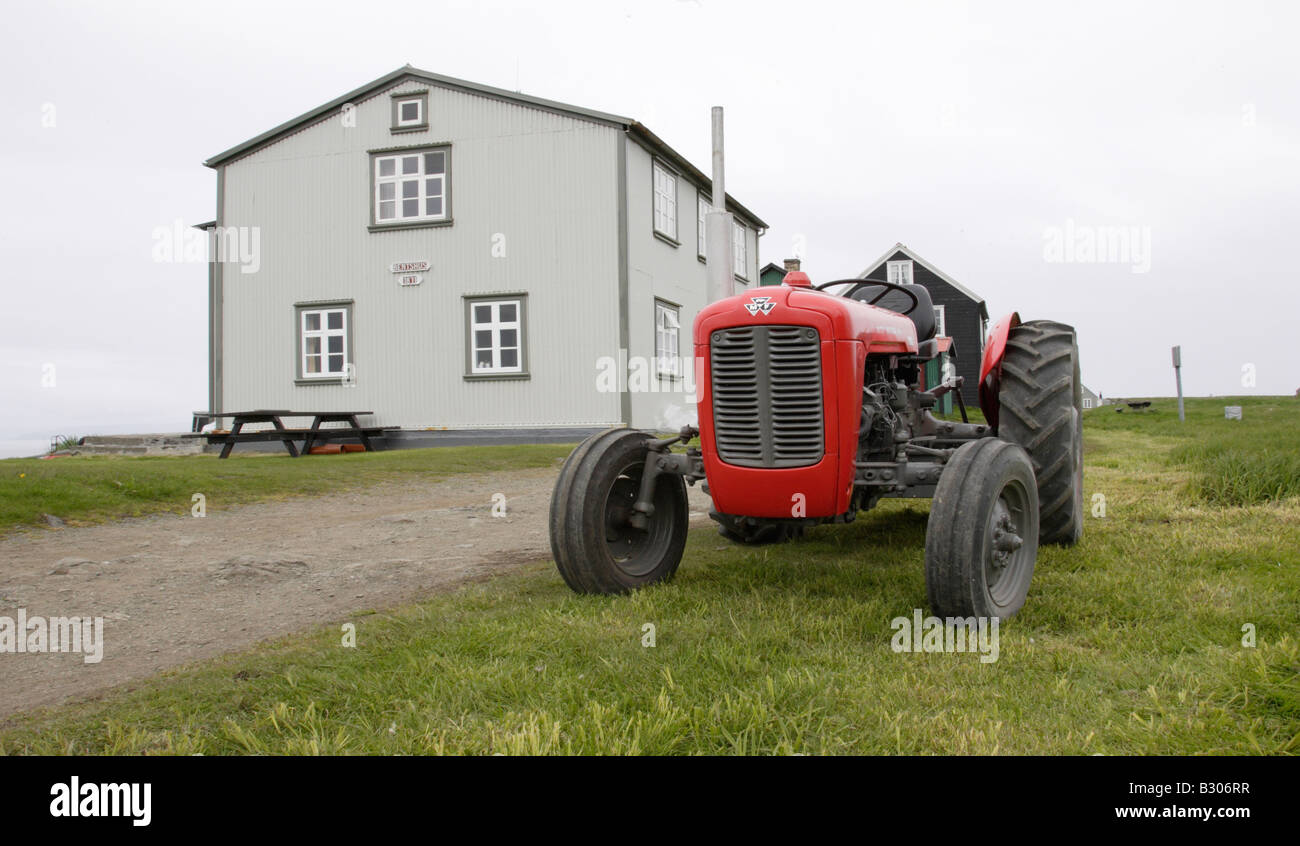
point(1041, 408)
point(596, 548)
point(982, 536)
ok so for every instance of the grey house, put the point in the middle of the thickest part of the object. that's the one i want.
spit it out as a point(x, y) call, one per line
point(960, 313)
point(459, 257)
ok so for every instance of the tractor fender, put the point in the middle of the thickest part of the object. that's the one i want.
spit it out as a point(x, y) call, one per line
point(991, 365)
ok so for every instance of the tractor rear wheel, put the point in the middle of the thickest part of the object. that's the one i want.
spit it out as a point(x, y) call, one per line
point(982, 536)
point(596, 547)
point(1041, 408)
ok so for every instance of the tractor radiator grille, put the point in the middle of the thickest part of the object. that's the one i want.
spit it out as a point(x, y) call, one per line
point(767, 395)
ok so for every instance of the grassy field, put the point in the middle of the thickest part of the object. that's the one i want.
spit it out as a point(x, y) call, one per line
point(1130, 643)
point(92, 489)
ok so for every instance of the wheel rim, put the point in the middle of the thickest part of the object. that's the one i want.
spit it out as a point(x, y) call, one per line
point(636, 552)
point(1006, 554)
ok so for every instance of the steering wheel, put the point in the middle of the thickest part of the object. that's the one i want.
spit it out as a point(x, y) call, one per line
point(855, 284)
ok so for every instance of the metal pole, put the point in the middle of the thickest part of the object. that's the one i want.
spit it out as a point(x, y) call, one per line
point(718, 224)
point(1178, 377)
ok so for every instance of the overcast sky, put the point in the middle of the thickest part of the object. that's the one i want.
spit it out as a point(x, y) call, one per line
point(980, 135)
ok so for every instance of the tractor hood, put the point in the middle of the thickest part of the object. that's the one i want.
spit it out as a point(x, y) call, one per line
point(836, 318)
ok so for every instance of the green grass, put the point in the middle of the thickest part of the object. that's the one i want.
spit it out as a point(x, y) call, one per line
point(1130, 643)
point(92, 489)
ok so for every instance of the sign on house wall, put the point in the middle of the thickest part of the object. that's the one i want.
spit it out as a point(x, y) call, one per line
point(408, 267)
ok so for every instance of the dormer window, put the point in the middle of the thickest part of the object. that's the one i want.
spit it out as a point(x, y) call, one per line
point(410, 111)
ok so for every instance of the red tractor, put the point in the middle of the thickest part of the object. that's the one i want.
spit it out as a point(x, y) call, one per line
point(810, 411)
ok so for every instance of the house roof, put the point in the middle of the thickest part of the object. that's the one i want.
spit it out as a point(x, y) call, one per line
point(772, 265)
point(907, 251)
point(634, 129)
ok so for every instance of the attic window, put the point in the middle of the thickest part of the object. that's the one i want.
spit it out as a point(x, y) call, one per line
point(899, 272)
point(410, 111)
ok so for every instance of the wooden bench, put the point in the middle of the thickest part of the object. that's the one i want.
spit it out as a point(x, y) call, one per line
point(315, 435)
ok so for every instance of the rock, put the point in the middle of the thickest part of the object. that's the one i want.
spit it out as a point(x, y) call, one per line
point(55, 522)
point(65, 565)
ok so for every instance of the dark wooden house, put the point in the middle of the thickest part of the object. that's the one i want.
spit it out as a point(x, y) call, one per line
point(960, 312)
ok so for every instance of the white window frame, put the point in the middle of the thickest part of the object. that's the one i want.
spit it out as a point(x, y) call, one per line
point(496, 326)
point(703, 208)
point(418, 100)
point(740, 250)
point(323, 334)
point(1087, 402)
point(398, 179)
point(941, 320)
point(904, 275)
point(668, 339)
point(664, 183)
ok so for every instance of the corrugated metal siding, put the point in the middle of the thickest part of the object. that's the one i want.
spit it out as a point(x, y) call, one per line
point(546, 182)
point(660, 270)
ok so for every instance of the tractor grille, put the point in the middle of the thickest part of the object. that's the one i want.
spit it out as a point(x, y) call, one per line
point(767, 395)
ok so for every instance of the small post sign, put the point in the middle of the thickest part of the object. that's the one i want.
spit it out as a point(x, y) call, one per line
point(1178, 377)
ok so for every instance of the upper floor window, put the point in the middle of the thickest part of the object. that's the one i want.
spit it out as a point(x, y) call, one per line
point(665, 188)
point(940, 321)
point(411, 186)
point(703, 208)
point(410, 111)
point(899, 272)
point(739, 251)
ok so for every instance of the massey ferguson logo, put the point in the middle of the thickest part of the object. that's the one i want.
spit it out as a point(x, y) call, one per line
point(759, 304)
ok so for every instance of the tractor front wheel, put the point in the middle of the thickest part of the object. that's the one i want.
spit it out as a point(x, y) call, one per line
point(594, 539)
point(982, 537)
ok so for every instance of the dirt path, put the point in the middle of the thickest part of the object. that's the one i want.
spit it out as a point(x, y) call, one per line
point(176, 589)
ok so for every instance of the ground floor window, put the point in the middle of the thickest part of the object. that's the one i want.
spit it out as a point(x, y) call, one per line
point(667, 339)
point(324, 339)
point(495, 328)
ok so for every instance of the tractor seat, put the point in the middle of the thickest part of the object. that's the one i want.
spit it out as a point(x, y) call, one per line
point(922, 316)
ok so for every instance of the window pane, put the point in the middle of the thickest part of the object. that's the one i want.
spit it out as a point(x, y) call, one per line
point(336, 364)
point(313, 364)
point(434, 163)
point(313, 321)
point(410, 164)
point(510, 358)
point(335, 320)
point(387, 210)
point(387, 191)
point(410, 208)
point(433, 187)
point(410, 188)
point(482, 338)
point(509, 337)
point(387, 167)
point(313, 346)
point(433, 206)
point(482, 314)
point(509, 312)
point(484, 359)
point(336, 343)
point(410, 111)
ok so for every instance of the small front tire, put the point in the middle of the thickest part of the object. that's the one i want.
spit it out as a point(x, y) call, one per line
point(982, 536)
point(596, 547)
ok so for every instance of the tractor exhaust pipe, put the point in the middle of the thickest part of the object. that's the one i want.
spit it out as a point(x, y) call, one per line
point(718, 225)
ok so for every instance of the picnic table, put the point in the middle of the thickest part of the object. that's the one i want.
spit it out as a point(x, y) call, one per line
point(314, 435)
